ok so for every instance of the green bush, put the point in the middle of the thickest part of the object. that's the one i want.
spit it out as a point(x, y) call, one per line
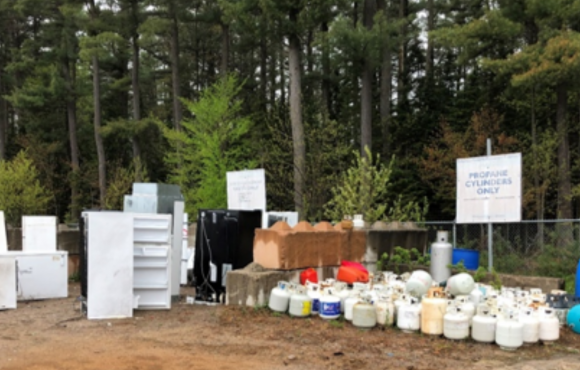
point(214, 141)
point(362, 189)
point(20, 190)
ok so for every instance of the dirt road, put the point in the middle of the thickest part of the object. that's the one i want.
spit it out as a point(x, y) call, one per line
point(53, 334)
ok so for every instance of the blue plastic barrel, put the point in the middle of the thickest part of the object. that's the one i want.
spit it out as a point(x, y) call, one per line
point(469, 257)
point(577, 291)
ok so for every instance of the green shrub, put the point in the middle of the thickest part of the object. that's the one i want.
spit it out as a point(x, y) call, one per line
point(20, 190)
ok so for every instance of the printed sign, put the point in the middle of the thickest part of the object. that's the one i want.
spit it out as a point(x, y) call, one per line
point(247, 190)
point(489, 189)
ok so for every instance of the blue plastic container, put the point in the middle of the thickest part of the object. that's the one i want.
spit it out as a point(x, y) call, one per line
point(573, 319)
point(470, 258)
point(577, 291)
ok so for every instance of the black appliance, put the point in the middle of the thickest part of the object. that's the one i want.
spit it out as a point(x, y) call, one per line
point(224, 241)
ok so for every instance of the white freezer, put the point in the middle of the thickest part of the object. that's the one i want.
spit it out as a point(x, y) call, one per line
point(40, 275)
point(7, 283)
point(39, 233)
point(110, 265)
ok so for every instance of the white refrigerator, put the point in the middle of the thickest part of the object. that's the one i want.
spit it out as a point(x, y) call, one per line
point(40, 275)
point(7, 283)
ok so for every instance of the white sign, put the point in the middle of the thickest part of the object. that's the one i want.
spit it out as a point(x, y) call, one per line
point(247, 190)
point(489, 189)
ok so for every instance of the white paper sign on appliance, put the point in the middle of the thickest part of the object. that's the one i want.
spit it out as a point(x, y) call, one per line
point(489, 189)
point(246, 190)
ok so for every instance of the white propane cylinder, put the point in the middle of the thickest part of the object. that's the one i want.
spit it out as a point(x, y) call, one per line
point(433, 309)
point(409, 316)
point(385, 311)
point(460, 284)
point(476, 295)
point(364, 314)
point(549, 325)
point(329, 305)
point(349, 305)
point(314, 294)
point(342, 292)
point(483, 325)
point(418, 284)
point(399, 302)
point(441, 257)
point(531, 326)
point(509, 333)
point(280, 297)
point(455, 324)
point(467, 307)
point(300, 303)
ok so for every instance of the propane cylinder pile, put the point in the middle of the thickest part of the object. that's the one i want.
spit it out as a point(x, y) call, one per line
point(510, 317)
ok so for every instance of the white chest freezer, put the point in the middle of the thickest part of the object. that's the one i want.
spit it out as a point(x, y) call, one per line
point(40, 275)
point(7, 283)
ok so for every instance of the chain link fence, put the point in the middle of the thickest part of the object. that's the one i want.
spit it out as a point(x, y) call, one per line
point(543, 247)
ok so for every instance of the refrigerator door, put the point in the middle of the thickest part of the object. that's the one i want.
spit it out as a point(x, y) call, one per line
point(7, 282)
point(39, 233)
point(109, 265)
point(152, 261)
point(42, 275)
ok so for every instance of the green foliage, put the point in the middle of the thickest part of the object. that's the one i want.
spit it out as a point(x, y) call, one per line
point(458, 267)
point(362, 189)
point(20, 190)
point(403, 256)
point(120, 184)
point(212, 143)
point(480, 274)
point(496, 282)
point(383, 261)
point(408, 211)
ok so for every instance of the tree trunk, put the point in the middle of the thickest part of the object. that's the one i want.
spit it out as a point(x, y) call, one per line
point(402, 73)
point(282, 79)
point(263, 70)
point(135, 86)
point(97, 118)
point(564, 183)
point(386, 88)
point(98, 138)
point(176, 89)
point(296, 115)
point(366, 104)
point(326, 99)
point(539, 197)
point(430, 27)
point(3, 118)
point(71, 110)
point(225, 61)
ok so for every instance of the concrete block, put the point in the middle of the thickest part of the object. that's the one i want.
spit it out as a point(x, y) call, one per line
point(252, 285)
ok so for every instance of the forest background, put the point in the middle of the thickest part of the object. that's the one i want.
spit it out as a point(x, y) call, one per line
point(95, 95)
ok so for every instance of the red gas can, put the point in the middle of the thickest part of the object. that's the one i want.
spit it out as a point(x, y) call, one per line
point(309, 274)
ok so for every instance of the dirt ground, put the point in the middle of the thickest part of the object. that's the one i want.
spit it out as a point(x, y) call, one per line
point(52, 334)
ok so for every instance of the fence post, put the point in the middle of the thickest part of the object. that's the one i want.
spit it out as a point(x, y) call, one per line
point(454, 234)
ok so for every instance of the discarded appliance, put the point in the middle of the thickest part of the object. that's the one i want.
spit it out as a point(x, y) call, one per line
point(39, 233)
point(270, 218)
point(40, 275)
point(107, 272)
point(3, 238)
point(224, 242)
point(7, 282)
